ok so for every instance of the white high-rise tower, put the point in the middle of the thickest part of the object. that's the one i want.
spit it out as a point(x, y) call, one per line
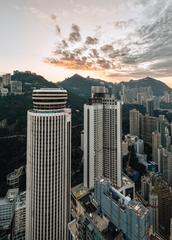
point(112, 141)
point(48, 166)
point(93, 143)
point(102, 138)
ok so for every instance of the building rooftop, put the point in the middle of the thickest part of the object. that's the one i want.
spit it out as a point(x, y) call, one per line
point(46, 99)
point(80, 191)
point(12, 194)
point(139, 209)
point(49, 90)
point(101, 222)
point(15, 174)
point(126, 180)
point(73, 227)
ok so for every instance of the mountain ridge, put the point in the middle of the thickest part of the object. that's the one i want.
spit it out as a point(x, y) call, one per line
point(82, 86)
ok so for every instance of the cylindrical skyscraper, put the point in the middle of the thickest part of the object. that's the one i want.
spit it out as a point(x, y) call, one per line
point(48, 166)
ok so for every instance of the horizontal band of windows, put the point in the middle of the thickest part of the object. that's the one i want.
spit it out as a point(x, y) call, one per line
point(49, 100)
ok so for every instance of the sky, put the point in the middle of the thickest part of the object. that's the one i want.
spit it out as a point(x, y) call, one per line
point(113, 40)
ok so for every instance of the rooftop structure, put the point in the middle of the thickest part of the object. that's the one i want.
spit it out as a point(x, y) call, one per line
point(13, 178)
point(49, 99)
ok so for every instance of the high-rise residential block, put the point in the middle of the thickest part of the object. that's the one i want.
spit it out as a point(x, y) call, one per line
point(93, 143)
point(156, 143)
point(135, 122)
point(102, 138)
point(148, 125)
point(150, 106)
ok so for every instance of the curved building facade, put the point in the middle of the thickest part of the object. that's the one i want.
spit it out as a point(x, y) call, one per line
point(48, 166)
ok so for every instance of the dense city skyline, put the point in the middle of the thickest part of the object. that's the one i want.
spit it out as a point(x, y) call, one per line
point(82, 158)
point(111, 40)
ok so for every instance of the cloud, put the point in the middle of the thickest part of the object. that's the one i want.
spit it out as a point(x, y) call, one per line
point(94, 53)
point(58, 30)
point(144, 49)
point(105, 64)
point(107, 48)
point(91, 40)
point(72, 64)
point(64, 44)
point(75, 35)
point(53, 17)
point(123, 24)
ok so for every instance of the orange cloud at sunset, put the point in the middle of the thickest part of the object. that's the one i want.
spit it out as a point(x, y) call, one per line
point(71, 64)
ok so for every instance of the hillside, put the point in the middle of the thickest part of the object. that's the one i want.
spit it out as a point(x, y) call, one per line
point(81, 86)
point(31, 81)
point(13, 122)
point(157, 86)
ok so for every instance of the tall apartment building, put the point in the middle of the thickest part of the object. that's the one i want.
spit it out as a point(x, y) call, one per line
point(153, 203)
point(161, 127)
point(161, 206)
point(93, 143)
point(135, 122)
point(167, 166)
point(148, 125)
point(156, 143)
point(102, 138)
point(150, 106)
point(112, 140)
point(48, 166)
point(164, 193)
